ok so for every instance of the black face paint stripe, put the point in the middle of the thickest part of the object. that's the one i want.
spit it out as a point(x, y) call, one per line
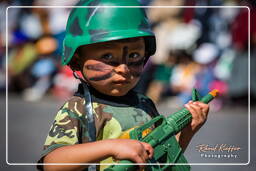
point(97, 67)
point(103, 77)
point(125, 52)
point(136, 73)
point(137, 63)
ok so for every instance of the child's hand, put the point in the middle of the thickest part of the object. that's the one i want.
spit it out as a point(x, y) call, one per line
point(136, 151)
point(199, 113)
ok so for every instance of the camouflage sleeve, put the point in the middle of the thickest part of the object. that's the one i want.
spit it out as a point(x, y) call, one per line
point(68, 127)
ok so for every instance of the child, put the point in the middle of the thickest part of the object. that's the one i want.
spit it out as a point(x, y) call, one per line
point(109, 46)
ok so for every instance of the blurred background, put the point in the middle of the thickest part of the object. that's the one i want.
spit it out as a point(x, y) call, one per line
point(203, 48)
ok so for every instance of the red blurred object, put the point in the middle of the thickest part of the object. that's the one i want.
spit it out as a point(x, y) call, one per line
point(69, 72)
point(219, 85)
point(65, 83)
point(189, 13)
point(239, 29)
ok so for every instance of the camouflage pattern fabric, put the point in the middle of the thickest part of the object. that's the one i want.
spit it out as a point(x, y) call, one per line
point(111, 121)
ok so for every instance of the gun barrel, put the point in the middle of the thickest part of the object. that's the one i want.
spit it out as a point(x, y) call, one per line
point(211, 95)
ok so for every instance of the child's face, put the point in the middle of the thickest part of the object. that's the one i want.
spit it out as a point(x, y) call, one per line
point(113, 68)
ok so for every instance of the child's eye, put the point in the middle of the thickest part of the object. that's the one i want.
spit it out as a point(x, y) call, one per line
point(134, 55)
point(107, 56)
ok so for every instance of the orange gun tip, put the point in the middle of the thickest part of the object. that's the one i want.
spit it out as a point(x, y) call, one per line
point(214, 92)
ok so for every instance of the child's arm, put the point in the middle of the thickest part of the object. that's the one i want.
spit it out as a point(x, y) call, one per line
point(199, 113)
point(93, 152)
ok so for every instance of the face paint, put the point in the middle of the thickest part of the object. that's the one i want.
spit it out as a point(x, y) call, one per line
point(137, 63)
point(113, 68)
point(105, 71)
point(125, 52)
point(136, 72)
point(136, 67)
point(102, 77)
point(99, 67)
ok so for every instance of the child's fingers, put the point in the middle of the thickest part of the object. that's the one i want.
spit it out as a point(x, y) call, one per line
point(149, 149)
point(199, 112)
point(145, 155)
point(205, 107)
point(139, 159)
point(191, 108)
point(199, 115)
point(201, 104)
point(143, 159)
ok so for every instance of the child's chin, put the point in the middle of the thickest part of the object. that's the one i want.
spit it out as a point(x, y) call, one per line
point(116, 92)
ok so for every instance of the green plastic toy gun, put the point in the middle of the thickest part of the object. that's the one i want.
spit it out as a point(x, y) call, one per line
point(162, 139)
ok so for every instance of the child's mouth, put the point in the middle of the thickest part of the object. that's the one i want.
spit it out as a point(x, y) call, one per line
point(121, 82)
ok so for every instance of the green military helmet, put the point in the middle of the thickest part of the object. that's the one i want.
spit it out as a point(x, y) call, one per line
point(100, 24)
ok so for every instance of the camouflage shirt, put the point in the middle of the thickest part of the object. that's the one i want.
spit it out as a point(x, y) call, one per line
point(112, 115)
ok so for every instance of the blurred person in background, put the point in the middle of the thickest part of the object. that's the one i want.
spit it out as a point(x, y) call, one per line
point(224, 28)
point(184, 76)
point(253, 54)
point(42, 70)
point(238, 82)
point(163, 20)
point(35, 42)
point(207, 56)
point(11, 23)
point(31, 43)
point(175, 39)
point(160, 84)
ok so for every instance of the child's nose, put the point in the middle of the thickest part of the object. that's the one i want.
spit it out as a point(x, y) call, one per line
point(122, 69)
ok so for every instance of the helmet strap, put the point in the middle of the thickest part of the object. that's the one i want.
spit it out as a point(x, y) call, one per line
point(89, 116)
point(88, 108)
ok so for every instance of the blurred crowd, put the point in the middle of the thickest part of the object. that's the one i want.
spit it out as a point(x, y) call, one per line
point(35, 38)
point(202, 48)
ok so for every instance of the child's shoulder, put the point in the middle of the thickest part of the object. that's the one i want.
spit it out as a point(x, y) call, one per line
point(74, 106)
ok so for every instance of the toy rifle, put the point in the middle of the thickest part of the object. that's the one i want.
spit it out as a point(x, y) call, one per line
point(162, 139)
